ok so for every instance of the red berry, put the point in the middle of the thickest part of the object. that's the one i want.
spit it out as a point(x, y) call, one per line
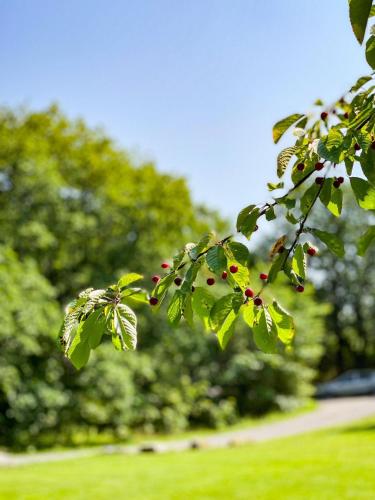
point(258, 301)
point(224, 275)
point(357, 147)
point(155, 278)
point(319, 165)
point(210, 281)
point(311, 251)
point(178, 281)
point(341, 180)
point(300, 167)
point(233, 269)
point(165, 265)
point(249, 292)
point(300, 288)
point(373, 145)
point(263, 276)
point(346, 115)
point(337, 183)
point(153, 301)
point(319, 180)
point(193, 288)
point(323, 115)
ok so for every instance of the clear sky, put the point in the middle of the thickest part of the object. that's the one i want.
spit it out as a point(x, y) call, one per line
point(194, 85)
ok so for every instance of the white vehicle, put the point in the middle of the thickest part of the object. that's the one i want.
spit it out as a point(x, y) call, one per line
point(350, 383)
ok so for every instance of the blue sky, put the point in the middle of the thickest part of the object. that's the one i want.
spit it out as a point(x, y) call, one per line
point(193, 85)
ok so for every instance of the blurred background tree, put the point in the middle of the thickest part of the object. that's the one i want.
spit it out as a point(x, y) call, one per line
point(75, 210)
point(348, 284)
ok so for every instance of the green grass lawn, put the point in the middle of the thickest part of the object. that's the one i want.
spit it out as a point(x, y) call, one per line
point(334, 464)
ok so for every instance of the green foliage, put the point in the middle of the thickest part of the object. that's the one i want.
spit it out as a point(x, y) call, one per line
point(348, 284)
point(344, 134)
point(370, 51)
point(359, 11)
point(331, 197)
point(283, 321)
point(366, 240)
point(216, 259)
point(247, 219)
point(364, 193)
point(282, 126)
point(283, 160)
point(332, 241)
point(265, 334)
point(299, 262)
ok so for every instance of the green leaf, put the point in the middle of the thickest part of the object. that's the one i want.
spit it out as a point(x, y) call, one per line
point(202, 302)
point(249, 313)
point(283, 159)
point(247, 219)
point(334, 139)
point(330, 147)
point(286, 201)
point(270, 214)
point(360, 82)
point(161, 288)
point(224, 334)
point(220, 311)
point(362, 117)
point(290, 217)
point(309, 198)
point(238, 251)
point(134, 296)
point(299, 261)
point(216, 259)
point(127, 279)
point(79, 351)
point(94, 325)
point(282, 126)
point(242, 216)
point(364, 193)
point(191, 275)
point(201, 246)
point(364, 242)
point(175, 308)
point(273, 185)
point(88, 336)
point(265, 333)
point(276, 267)
point(359, 12)
point(117, 342)
point(242, 276)
point(364, 140)
point(188, 311)
point(283, 321)
point(370, 51)
point(179, 257)
point(331, 197)
point(333, 242)
point(367, 161)
point(125, 327)
point(291, 275)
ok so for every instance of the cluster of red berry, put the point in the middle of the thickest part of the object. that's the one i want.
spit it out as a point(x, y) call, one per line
point(249, 293)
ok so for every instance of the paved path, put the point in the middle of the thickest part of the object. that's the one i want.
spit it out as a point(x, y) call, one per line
point(329, 413)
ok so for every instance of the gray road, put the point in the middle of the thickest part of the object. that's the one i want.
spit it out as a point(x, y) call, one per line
point(329, 413)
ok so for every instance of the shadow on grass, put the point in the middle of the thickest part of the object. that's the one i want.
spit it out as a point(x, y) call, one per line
point(358, 427)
